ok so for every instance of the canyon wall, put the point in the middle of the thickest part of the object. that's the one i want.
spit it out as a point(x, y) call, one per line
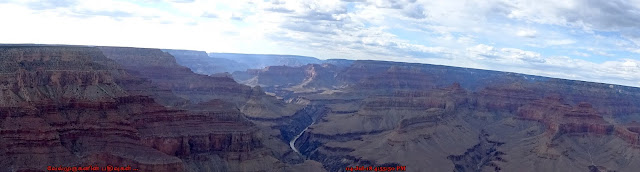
point(429, 118)
point(79, 106)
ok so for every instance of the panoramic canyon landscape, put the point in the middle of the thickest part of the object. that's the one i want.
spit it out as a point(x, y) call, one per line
point(320, 85)
point(75, 106)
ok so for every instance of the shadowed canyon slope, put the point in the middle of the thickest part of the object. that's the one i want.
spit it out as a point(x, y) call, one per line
point(81, 105)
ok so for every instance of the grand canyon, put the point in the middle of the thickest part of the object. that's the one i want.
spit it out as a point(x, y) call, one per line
point(182, 110)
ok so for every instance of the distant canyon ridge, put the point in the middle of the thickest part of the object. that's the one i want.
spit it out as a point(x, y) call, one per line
point(182, 110)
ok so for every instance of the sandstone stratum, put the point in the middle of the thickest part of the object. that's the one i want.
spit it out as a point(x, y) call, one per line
point(174, 110)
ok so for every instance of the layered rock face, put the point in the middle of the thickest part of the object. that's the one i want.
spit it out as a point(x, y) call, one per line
point(428, 75)
point(393, 124)
point(201, 90)
point(617, 101)
point(161, 68)
point(562, 118)
point(62, 107)
point(507, 97)
point(439, 118)
point(73, 106)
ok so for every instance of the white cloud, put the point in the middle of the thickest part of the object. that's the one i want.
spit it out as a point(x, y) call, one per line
point(482, 51)
point(527, 33)
point(529, 56)
point(599, 52)
point(560, 42)
point(512, 55)
point(581, 54)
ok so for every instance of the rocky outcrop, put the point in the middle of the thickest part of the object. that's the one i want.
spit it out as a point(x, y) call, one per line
point(629, 132)
point(562, 118)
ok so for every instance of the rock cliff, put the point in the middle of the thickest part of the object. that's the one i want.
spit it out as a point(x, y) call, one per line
point(62, 107)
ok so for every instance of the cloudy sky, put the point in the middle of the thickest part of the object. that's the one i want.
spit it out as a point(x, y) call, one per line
point(592, 40)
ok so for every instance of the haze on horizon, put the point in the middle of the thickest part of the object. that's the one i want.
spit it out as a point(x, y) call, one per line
point(589, 40)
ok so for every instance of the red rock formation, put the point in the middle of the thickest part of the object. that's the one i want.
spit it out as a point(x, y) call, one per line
point(63, 106)
point(30, 143)
point(627, 135)
point(561, 118)
point(201, 131)
point(68, 95)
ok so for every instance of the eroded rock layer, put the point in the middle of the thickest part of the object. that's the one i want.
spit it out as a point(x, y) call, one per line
point(62, 107)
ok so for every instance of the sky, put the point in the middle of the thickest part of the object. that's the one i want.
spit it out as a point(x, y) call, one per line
point(590, 40)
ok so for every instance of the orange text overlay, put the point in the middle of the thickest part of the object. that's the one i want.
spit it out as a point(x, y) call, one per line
point(92, 168)
point(371, 168)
